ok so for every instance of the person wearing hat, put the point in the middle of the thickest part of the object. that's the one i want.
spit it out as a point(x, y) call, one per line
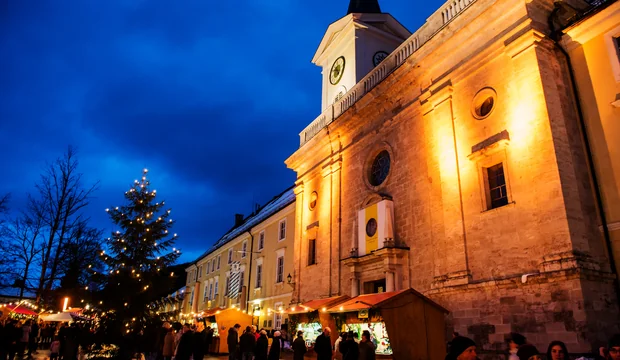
point(462, 348)
point(528, 352)
point(299, 346)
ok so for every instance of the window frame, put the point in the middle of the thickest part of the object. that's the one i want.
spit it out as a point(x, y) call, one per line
point(244, 249)
point(259, 276)
point(230, 256)
point(241, 280)
point(312, 252)
point(503, 188)
point(279, 276)
point(280, 229)
point(219, 257)
point(261, 240)
point(205, 293)
point(277, 316)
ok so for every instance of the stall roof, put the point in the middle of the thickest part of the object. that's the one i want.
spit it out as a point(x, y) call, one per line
point(368, 301)
point(61, 317)
point(317, 304)
point(20, 310)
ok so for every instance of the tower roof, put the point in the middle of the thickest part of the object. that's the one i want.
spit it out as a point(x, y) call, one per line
point(364, 6)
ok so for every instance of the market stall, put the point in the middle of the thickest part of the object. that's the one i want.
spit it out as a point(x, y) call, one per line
point(221, 320)
point(58, 317)
point(311, 317)
point(403, 324)
point(19, 310)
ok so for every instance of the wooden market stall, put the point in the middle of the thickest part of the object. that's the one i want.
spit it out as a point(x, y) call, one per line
point(312, 316)
point(404, 324)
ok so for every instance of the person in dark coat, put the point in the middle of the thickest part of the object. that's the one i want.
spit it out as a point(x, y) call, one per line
point(208, 340)
point(323, 345)
point(200, 341)
point(186, 344)
point(276, 345)
point(299, 346)
point(262, 346)
point(247, 342)
point(233, 341)
point(366, 347)
point(351, 347)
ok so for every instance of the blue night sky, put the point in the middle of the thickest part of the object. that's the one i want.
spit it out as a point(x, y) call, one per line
point(208, 95)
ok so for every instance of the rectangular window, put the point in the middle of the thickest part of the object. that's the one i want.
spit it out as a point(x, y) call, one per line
point(227, 285)
point(280, 270)
point(219, 257)
point(241, 282)
point(230, 253)
point(311, 252)
point(207, 269)
point(282, 232)
point(191, 298)
point(211, 291)
point(204, 295)
point(216, 286)
point(264, 323)
point(244, 248)
point(213, 265)
point(497, 186)
point(200, 271)
point(261, 240)
point(277, 317)
point(259, 275)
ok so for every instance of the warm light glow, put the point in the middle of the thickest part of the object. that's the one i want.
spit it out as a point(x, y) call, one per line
point(324, 309)
point(66, 303)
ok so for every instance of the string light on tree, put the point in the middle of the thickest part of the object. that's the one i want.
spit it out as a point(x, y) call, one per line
point(141, 247)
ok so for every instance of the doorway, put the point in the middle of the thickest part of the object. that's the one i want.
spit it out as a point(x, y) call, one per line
point(374, 287)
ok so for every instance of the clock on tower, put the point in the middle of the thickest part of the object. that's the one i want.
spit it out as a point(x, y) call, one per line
point(354, 45)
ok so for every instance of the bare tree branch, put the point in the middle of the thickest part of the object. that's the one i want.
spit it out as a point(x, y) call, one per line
point(61, 197)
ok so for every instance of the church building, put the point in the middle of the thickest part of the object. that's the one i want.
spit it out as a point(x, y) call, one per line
point(451, 161)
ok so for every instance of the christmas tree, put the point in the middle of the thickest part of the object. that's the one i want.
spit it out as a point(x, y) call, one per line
point(136, 259)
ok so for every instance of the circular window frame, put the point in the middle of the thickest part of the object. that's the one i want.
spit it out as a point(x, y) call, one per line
point(384, 146)
point(481, 96)
point(314, 195)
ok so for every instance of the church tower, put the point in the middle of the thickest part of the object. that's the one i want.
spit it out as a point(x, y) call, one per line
point(354, 45)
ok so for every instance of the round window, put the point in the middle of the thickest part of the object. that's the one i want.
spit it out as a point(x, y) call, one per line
point(313, 198)
point(380, 168)
point(484, 103)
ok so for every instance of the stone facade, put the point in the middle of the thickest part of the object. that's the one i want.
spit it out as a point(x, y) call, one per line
point(538, 264)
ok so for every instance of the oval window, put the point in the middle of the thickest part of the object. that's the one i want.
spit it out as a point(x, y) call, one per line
point(380, 168)
point(484, 103)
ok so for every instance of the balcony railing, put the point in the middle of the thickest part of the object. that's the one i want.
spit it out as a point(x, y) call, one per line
point(434, 23)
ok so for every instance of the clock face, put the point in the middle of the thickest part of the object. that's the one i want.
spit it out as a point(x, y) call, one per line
point(335, 74)
point(378, 57)
point(371, 227)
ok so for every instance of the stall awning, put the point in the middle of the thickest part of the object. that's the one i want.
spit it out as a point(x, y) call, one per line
point(317, 304)
point(367, 301)
point(20, 310)
point(61, 317)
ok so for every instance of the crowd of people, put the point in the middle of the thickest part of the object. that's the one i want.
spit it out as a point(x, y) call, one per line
point(22, 339)
point(254, 345)
point(464, 348)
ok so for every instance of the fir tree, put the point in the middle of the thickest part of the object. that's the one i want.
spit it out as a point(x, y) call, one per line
point(137, 257)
